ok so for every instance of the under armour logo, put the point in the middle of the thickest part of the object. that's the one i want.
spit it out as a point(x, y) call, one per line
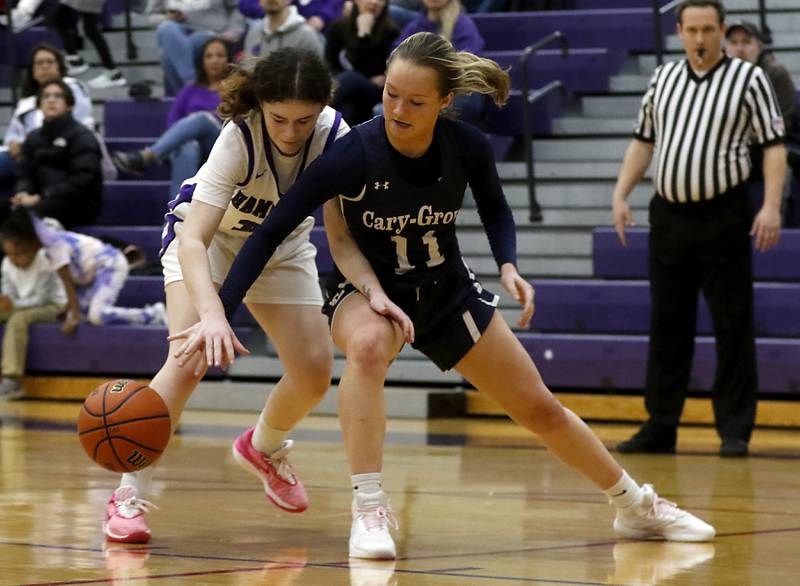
point(381, 185)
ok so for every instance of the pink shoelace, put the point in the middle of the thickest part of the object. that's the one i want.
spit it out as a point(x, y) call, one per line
point(378, 518)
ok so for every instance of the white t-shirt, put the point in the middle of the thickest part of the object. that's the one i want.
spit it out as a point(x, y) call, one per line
point(36, 284)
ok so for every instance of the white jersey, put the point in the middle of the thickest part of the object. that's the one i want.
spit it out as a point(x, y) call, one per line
point(246, 175)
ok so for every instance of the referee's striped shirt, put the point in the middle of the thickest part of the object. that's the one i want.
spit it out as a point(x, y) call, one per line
point(702, 126)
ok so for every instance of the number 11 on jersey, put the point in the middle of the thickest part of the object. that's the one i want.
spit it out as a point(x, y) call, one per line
point(435, 257)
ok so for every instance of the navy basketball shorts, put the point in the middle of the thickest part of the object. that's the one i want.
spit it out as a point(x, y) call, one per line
point(449, 314)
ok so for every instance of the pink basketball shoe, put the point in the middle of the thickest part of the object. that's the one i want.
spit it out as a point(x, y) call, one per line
point(281, 484)
point(125, 517)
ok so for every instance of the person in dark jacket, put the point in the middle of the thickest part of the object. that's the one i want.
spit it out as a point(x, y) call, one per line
point(357, 49)
point(60, 175)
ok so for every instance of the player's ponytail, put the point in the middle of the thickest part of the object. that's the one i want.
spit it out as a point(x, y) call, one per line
point(290, 73)
point(458, 72)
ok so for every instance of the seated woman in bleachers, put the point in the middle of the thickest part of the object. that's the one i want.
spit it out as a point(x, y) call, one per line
point(45, 63)
point(357, 49)
point(192, 124)
point(188, 26)
point(59, 173)
point(448, 19)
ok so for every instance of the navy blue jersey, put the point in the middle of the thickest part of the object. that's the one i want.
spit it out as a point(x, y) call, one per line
point(406, 230)
point(401, 211)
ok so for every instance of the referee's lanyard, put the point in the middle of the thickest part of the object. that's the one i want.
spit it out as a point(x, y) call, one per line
point(271, 161)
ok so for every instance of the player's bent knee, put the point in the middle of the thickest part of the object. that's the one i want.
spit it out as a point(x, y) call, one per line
point(371, 347)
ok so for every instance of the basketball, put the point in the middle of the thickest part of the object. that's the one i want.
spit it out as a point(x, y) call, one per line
point(124, 425)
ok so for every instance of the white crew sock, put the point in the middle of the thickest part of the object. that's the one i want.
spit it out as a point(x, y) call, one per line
point(266, 439)
point(625, 492)
point(369, 483)
point(140, 480)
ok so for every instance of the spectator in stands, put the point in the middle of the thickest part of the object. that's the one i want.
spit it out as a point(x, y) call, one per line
point(404, 11)
point(701, 223)
point(743, 40)
point(93, 273)
point(65, 18)
point(22, 14)
point(31, 293)
point(448, 19)
point(45, 63)
point(192, 123)
point(282, 26)
point(189, 25)
point(357, 49)
point(320, 13)
point(59, 173)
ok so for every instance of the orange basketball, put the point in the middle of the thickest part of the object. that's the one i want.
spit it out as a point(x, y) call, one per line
point(124, 425)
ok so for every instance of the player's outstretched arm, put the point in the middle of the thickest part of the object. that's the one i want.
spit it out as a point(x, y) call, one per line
point(213, 334)
point(356, 268)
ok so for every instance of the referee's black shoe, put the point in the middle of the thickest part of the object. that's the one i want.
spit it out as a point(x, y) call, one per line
point(733, 448)
point(649, 440)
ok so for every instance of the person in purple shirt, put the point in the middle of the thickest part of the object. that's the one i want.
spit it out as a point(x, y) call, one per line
point(318, 13)
point(192, 124)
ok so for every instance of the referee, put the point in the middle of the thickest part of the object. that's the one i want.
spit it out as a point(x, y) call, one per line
point(696, 120)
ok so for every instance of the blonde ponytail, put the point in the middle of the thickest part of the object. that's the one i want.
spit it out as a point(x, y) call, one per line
point(458, 72)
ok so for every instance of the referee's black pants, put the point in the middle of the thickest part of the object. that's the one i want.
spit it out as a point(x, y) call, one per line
point(701, 247)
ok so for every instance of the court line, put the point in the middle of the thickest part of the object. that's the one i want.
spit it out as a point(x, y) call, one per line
point(155, 576)
point(453, 573)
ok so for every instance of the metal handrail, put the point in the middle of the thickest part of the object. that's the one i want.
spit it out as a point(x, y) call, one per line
point(528, 98)
point(132, 50)
point(762, 18)
point(658, 12)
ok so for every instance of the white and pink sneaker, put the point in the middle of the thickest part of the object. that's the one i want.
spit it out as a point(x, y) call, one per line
point(281, 484)
point(657, 518)
point(125, 517)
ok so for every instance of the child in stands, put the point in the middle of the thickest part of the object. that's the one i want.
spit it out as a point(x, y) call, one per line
point(31, 293)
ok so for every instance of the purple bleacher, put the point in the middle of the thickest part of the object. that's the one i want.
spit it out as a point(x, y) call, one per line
point(507, 121)
point(148, 238)
point(134, 203)
point(103, 350)
point(23, 43)
point(143, 290)
point(614, 363)
point(583, 70)
point(136, 118)
point(623, 307)
point(629, 29)
point(614, 261)
point(595, 4)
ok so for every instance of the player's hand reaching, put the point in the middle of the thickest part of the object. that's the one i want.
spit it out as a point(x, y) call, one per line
point(521, 290)
point(214, 337)
point(381, 304)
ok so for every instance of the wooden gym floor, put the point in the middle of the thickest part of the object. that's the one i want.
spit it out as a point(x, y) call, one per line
point(478, 501)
